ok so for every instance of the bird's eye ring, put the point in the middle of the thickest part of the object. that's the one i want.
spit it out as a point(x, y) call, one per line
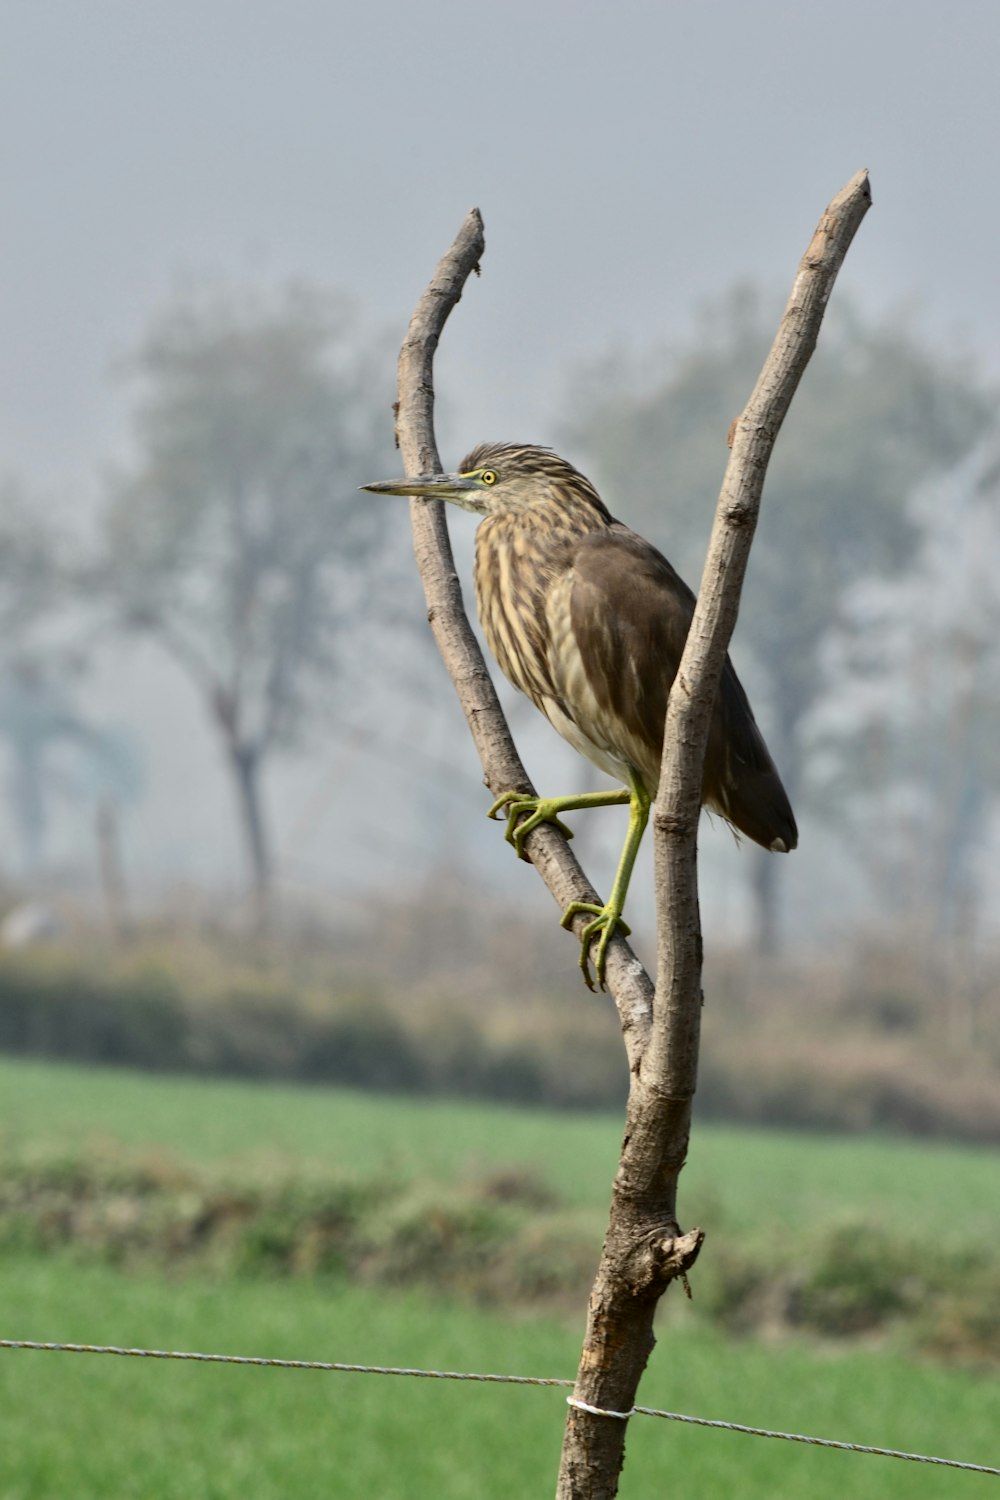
point(489, 476)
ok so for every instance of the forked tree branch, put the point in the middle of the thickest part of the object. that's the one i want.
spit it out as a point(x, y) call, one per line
point(644, 1249)
point(672, 1060)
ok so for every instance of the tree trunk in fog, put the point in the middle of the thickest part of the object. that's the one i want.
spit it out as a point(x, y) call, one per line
point(246, 761)
point(767, 872)
point(764, 875)
point(112, 868)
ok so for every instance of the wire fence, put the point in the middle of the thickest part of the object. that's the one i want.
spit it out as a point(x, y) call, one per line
point(326, 1366)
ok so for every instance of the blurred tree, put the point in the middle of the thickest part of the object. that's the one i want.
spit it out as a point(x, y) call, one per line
point(34, 668)
point(876, 413)
point(36, 713)
point(53, 747)
point(33, 570)
point(238, 541)
point(914, 706)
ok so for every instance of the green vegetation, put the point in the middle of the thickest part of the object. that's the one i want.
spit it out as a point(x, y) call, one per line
point(746, 1180)
point(92, 1427)
point(498, 1206)
point(892, 1043)
point(315, 1224)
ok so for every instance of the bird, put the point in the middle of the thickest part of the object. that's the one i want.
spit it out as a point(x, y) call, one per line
point(589, 620)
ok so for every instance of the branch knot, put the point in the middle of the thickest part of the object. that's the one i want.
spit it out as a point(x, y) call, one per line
point(662, 1255)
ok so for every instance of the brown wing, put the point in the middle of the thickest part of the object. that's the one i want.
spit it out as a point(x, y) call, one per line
point(630, 613)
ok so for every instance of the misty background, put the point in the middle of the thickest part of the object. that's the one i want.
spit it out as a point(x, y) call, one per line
point(189, 187)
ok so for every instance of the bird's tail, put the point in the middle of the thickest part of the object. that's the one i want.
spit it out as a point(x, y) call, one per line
point(756, 803)
point(741, 781)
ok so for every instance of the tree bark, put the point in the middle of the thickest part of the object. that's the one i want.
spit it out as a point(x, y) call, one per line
point(644, 1249)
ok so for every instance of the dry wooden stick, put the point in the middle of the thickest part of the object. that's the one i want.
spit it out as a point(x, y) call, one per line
point(628, 982)
point(644, 1249)
point(673, 1057)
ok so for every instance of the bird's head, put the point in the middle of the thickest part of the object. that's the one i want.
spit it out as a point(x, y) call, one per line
point(499, 477)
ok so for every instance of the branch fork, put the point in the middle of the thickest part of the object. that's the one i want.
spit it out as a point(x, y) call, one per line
point(644, 1249)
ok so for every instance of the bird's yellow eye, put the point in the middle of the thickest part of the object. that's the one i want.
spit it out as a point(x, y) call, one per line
point(489, 476)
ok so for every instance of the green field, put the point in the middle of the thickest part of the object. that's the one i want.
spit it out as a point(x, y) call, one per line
point(89, 1426)
point(737, 1178)
point(92, 1426)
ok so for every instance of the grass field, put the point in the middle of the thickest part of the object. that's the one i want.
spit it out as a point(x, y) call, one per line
point(82, 1426)
point(89, 1427)
point(737, 1178)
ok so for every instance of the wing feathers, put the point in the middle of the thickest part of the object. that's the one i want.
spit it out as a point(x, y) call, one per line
point(629, 613)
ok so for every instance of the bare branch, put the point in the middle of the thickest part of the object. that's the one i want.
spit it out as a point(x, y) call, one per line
point(628, 982)
point(185, 653)
point(673, 1057)
point(644, 1250)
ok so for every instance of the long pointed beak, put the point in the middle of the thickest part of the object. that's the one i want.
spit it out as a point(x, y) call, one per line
point(432, 486)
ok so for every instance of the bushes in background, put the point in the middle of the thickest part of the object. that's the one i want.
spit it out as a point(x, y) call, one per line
point(502, 1239)
point(799, 1046)
point(145, 1017)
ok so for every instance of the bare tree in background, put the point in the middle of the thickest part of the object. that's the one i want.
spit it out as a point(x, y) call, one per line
point(39, 664)
point(910, 721)
point(878, 412)
point(236, 542)
point(32, 569)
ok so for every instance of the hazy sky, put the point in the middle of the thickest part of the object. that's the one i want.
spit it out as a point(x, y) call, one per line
point(631, 159)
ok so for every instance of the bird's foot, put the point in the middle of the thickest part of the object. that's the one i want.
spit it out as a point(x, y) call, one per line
point(607, 923)
point(526, 813)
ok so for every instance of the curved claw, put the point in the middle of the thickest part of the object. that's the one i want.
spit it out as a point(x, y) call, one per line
point(524, 814)
point(608, 923)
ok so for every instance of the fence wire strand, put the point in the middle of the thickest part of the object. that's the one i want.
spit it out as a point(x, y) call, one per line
point(336, 1367)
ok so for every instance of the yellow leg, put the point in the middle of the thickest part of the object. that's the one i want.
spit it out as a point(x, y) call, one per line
point(525, 813)
point(608, 918)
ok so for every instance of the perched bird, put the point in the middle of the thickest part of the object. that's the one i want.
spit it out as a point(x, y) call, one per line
point(590, 620)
